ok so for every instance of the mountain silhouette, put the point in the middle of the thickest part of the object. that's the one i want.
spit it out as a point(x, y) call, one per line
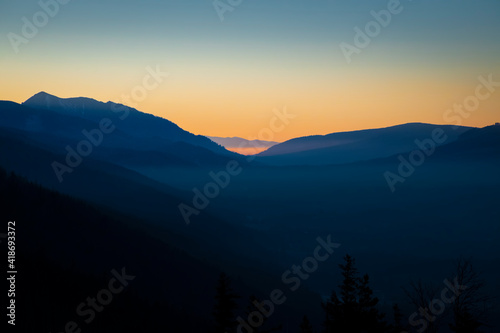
point(236, 142)
point(348, 147)
point(136, 141)
point(267, 217)
point(129, 120)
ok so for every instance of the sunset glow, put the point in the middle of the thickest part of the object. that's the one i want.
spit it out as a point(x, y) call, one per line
point(225, 78)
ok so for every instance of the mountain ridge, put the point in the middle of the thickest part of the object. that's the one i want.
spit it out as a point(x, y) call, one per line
point(130, 120)
point(347, 147)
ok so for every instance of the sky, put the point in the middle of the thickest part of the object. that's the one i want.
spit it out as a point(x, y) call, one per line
point(231, 69)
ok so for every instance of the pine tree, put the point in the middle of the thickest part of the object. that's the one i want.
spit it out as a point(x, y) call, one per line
point(341, 311)
point(305, 326)
point(354, 311)
point(349, 286)
point(225, 306)
point(370, 317)
point(398, 319)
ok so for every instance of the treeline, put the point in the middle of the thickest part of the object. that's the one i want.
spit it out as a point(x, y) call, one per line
point(353, 308)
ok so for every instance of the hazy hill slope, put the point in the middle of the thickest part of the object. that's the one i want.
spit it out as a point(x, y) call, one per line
point(447, 207)
point(347, 147)
point(123, 190)
point(155, 204)
point(481, 143)
point(67, 243)
point(236, 142)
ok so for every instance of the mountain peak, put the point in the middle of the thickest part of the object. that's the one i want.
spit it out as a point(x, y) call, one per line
point(42, 94)
point(40, 98)
point(73, 106)
point(135, 122)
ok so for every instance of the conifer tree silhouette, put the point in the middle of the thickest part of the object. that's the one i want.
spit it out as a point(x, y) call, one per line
point(305, 326)
point(354, 309)
point(225, 306)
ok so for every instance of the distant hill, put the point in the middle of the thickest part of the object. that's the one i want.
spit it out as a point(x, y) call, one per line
point(236, 142)
point(475, 144)
point(348, 147)
point(243, 146)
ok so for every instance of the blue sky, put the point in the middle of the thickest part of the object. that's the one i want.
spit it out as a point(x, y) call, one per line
point(275, 48)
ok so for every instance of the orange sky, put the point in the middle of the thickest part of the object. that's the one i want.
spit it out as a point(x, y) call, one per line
point(226, 78)
point(331, 100)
